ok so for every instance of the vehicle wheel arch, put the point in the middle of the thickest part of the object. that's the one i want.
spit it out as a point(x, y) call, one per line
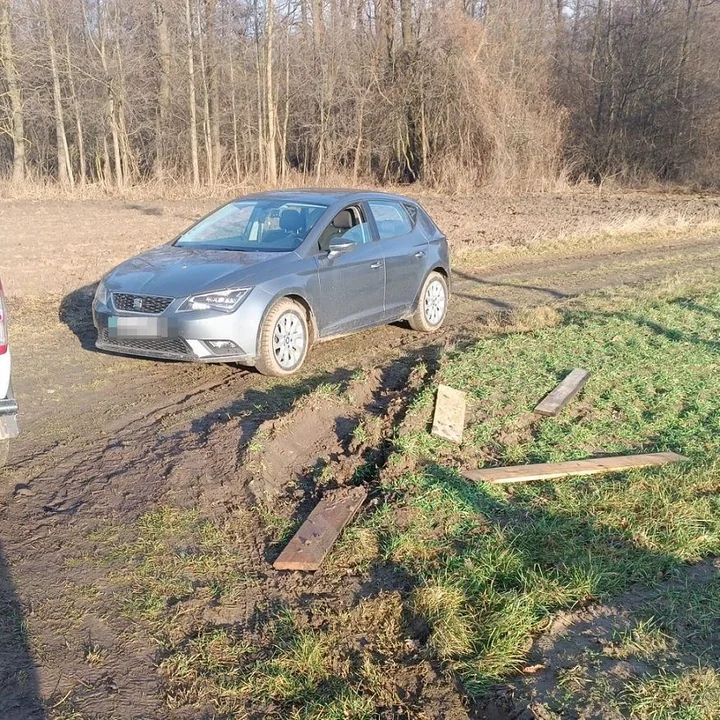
point(300, 300)
point(438, 268)
point(303, 302)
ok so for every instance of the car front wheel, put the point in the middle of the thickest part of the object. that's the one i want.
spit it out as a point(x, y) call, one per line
point(432, 305)
point(284, 339)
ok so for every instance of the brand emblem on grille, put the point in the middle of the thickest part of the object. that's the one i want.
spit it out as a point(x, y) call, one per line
point(137, 304)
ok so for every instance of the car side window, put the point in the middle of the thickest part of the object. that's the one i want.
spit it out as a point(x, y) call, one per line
point(349, 225)
point(391, 219)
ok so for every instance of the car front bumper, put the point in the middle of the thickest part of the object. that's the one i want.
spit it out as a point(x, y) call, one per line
point(183, 336)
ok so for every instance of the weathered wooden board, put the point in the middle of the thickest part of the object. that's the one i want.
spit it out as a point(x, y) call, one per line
point(563, 393)
point(548, 471)
point(449, 418)
point(312, 542)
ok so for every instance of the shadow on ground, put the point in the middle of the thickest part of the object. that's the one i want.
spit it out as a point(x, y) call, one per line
point(19, 690)
point(517, 294)
point(76, 312)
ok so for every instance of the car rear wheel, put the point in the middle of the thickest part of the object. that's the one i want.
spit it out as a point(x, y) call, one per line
point(432, 305)
point(284, 339)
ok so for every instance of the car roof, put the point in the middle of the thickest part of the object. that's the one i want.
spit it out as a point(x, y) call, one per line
point(325, 196)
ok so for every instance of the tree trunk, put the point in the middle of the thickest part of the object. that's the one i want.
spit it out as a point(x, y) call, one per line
point(260, 96)
point(163, 108)
point(286, 119)
point(7, 61)
point(192, 104)
point(214, 70)
point(316, 10)
point(406, 23)
point(78, 115)
point(65, 173)
point(209, 159)
point(385, 29)
point(233, 106)
point(359, 141)
point(270, 102)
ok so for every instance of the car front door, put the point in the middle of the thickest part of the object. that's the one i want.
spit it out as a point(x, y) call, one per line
point(352, 281)
point(405, 249)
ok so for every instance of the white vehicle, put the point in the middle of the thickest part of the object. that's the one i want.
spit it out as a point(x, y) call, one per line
point(8, 406)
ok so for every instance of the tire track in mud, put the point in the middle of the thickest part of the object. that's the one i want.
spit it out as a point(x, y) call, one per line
point(476, 294)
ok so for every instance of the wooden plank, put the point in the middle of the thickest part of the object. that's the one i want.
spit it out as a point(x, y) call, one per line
point(593, 466)
point(563, 393)
point(312, 542)
point(449, 418)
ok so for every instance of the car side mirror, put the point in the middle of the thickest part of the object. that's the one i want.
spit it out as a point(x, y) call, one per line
point(337, 248)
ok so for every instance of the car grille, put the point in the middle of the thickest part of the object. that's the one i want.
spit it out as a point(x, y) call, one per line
point(168, 346)
point(147, 304)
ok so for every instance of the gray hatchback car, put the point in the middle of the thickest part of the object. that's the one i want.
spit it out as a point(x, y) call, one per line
point(260, 279)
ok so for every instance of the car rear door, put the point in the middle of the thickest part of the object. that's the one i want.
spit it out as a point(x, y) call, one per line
point(404, 248)
point(352, 284)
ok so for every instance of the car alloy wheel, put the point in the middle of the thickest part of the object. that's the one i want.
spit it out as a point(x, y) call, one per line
point(285, 337)
point(434, 302)
point(289, 341)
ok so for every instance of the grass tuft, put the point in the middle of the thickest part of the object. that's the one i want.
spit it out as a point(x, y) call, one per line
point(693, 695)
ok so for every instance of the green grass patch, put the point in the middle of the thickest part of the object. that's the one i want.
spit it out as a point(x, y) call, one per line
point(492, 563)
point(692, 695)
point(170, 557)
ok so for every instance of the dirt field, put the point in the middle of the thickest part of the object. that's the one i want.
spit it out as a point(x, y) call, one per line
point(107, 439)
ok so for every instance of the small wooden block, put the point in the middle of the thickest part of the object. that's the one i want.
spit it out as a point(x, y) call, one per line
point(563, 393)
point(449, 419)
point(316, 536)
point(549, 471)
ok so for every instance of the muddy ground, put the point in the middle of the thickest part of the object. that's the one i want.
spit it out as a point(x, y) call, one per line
point(108, 438)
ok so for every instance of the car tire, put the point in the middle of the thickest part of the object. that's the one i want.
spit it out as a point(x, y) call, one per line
point(4, 452)
point(432, 304)
point(284, 339)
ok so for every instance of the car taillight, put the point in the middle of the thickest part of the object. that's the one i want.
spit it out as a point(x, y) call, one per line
point(3, 323)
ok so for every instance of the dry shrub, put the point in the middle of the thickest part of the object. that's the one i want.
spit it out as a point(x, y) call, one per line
point(487, 90)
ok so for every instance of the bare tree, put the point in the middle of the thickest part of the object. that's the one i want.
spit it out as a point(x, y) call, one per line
point(163, 97)
point(192, 104)
point(17, 120)
point(65, 171)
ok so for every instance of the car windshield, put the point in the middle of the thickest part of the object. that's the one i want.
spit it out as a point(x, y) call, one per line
point(254, 226)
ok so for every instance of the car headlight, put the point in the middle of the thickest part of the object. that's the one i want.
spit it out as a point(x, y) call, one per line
point(223, 300)
point(101, 294)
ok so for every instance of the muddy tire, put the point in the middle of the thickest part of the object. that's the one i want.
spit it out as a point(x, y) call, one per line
point(4, 452)
point(284, 339)
point(432, 304)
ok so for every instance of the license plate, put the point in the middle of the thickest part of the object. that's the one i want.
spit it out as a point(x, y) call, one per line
point(137, 327)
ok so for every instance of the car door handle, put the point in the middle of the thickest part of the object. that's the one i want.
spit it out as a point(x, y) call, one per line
point(420, 254)
point(376, 265)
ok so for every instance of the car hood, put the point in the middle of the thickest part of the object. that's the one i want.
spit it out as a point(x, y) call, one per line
point(181, 271)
